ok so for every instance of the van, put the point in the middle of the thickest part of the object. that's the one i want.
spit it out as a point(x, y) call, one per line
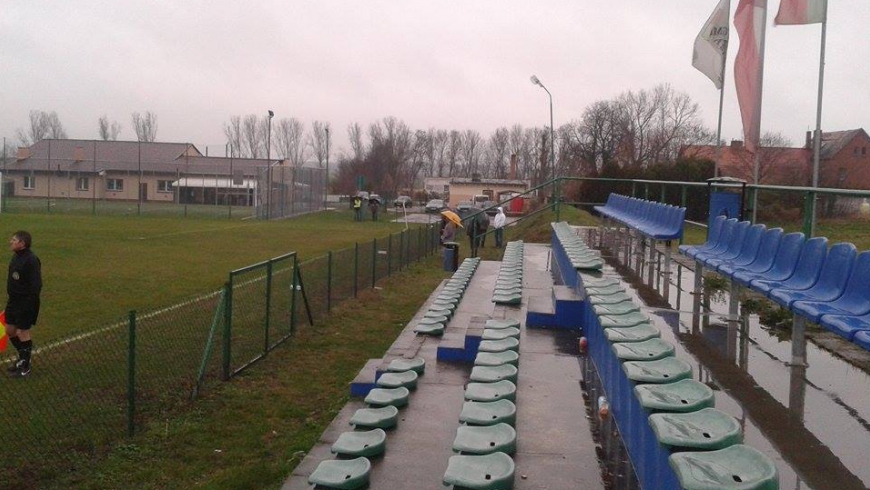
point(479, 199)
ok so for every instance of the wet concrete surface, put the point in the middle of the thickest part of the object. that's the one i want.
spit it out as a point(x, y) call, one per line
point(811, 420)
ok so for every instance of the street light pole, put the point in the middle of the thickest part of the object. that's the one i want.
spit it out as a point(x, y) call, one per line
point(326, 187)
point(269, 164)
point(537, 81)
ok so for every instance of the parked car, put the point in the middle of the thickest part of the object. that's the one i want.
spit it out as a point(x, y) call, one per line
point(403, 202)
point(435, 206)
point(464, 208)
point(490, 208)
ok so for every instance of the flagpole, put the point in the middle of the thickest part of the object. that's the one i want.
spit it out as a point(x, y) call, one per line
point(719, 130)
point(760, 91)
point(817, 137)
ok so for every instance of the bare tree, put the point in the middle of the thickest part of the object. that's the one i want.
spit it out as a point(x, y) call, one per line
point(498, 150)
point(253, 143)
point(145, 126)
point(290, 141)
point(109, 131)
point(471, 150)
point(439, 139)
point(233, 132)
point(320, 141)
point(354, 134)
point(42, 125)
point(420, 157)
point(454, 148)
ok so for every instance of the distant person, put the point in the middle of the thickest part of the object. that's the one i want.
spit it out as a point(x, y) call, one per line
point(448, 230)
point(476, 231)
point(482, 226)
point(373, 208)
point(23, 286)
point(357, 208)
point(498, 223)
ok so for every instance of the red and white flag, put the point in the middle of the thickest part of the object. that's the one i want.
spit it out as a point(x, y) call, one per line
point(749, 66)
point(711, 45)
point(796, 12)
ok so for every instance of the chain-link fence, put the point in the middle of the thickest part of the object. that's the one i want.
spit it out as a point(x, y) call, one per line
point(93, 387)
point(289, 191)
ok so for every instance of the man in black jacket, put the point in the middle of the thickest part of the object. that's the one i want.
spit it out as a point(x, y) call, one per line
point(23, 285)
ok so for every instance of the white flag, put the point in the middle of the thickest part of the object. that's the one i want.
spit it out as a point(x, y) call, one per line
point(796, 12)
point(711, 45)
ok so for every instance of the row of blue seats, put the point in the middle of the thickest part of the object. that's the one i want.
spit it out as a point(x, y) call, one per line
point(829, 287)
point(656, 220)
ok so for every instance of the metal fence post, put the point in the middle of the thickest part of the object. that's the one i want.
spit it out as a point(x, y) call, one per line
point(228, 329)
point(268, 307)
point(389, 254)
point(293, 295)
point(558, 194)
point(683, 190)
point(664, 194)
point(402, 259)
point(355, 268)
point(329, 282)
point(131, 374)
point(809, 212)
point(374, 261)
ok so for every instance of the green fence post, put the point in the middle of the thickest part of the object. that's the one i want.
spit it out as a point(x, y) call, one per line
point(402, 258)
point(683, 190)
point(355, 268)
point(268, 307)
point(131, 374)
point(293, 295)
point(646, 191)
point(558, 194)
point(329, 282)
point(633, 189)
point(389, 254)
point(374, 261)
point(809, 205)
point(663, 198)
point(228, 329)
point(752, 202)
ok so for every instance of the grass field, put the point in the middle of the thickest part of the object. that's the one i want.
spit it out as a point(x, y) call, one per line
point(95, 269)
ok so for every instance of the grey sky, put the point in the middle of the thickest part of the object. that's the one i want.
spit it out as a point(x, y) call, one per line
point(445, 64)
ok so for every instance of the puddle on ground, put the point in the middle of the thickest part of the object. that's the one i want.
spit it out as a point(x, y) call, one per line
point(813, 420)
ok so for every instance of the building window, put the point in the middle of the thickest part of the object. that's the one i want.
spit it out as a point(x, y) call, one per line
point(29, 182)
point(164, 186)
point(82, 184)
point(115, 184)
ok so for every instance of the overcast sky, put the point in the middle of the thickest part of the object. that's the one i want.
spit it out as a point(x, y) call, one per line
point(444, 64)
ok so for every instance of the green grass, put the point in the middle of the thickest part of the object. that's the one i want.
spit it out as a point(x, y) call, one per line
point(95, 269)
point(252, 431)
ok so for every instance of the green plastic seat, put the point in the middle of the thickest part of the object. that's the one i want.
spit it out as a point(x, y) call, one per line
point(617, 309)
point(735, 467)
point(381, 397)
point(638, 333)
point(375, 418)
point(508, 291)
point(408, 379)
point(593, 265)
point(603, 291)
point(598, 282)
point(344, 474)
point(500, 323)
point(666, 370)
point(488, 413)
point(706, 429)
point(360, 443)
point(626, 320)
point(429, 328)
point(432, 320)
point(491, 374)
point(500, 333)
point(417, 364)
point(443, 304)
point(489, 472)
point(507, 299)
point(490, 392)
point(437, 314)
point(509, 343)
point(608, 300)
point(648, 350)
point(686, 395)
point(485, 439)
point(497, 358)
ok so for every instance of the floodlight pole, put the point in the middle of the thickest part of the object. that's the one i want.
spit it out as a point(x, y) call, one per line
point(535, 80)
point(269, 164)
point(326, 185)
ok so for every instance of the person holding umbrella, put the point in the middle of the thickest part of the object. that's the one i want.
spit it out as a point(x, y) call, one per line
point(374, 203)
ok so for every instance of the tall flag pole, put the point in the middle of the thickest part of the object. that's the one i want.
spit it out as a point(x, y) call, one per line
point(800, 12)
point(709, 55)
point(750, 19)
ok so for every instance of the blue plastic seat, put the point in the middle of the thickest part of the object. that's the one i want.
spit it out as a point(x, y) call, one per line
point(712, 238)
point(762, 261)
point(832, 278)
point(732, 247)
point(847, 326)
point(862, 339)
point(855, 299)
point(784, 263)
point(806, 272)
point(722, 243)
point(747, 246)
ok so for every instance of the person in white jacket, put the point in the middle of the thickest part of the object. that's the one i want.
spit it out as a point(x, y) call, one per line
point(498, 223)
